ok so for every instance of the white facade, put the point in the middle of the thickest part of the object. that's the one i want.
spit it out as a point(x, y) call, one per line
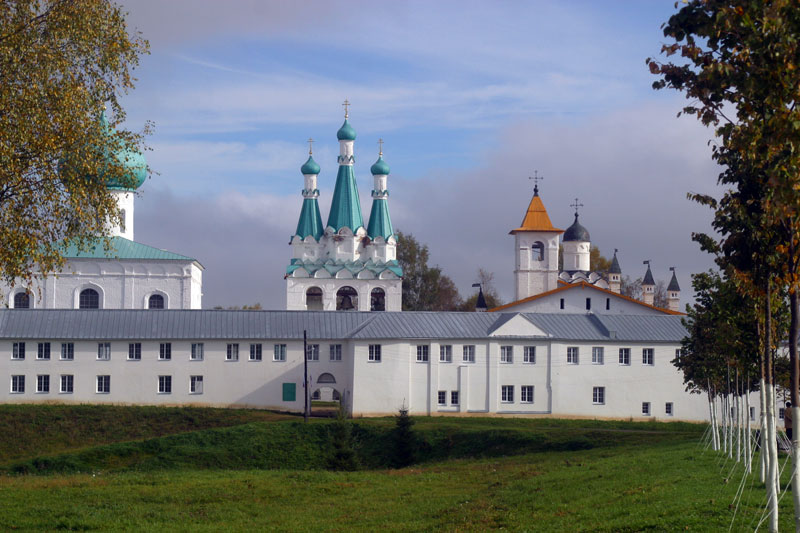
point(298, 287)
point(576, 255)
point(581, 297)
point(536, 268)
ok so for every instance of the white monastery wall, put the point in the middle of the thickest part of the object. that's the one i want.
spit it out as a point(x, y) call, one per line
point(574, 301)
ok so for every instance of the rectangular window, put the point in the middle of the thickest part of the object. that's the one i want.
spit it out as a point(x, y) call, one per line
point(507, 393)
point(588, 304)
point(232, 352)
point(506, 354)
point(165, 384)
point(454, 397)
point(572, 355)
point(442, 397)
point(598, 355)
point(446, 353)
point(313, 352)
point(624, 356)
point(67, 381)
point(780, 413)
point(278, 352)
point(43, 383)
point(526, 394)
point(104, 351)
point(103, 384)
point(422, 353)
point(43, 353)
point(529, 354)
point(18, 351)
point(647, 356)
point(561, 303)
point(598, 395)
point(668, 408)
point(375, 353)
point(469, 353)
point(645, 408)
point(17, 384)
point(255, 352)
point(336, 352)
point(608, 304)
point(165, 351)
point(752, 413)
point(135, 351)
point(197, 351)
point(67, 351)
point(196, 384)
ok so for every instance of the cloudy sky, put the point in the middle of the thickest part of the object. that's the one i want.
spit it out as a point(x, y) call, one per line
point(471, 98)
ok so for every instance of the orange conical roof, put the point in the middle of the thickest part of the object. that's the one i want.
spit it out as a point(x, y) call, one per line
point(536, 218)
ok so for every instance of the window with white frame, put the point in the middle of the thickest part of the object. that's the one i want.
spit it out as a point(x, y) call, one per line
point(255, 352)
point(442, 397)
point(103, 384)
point(598, 395)
point(572, 355)
point(232, 352)
point(668, 408)
point(165, 351)
point(624, 356)
point(197, 351)
point(375, 353)
point(165, 384)
point(598, 355)
point(454, 397)
point(752, 413)
point(43, 383)
point(529, 354)
point(312, 352)
point(103, 351)
point(336, 352)
point(469, 353)
point(506, 354)
point(507, 393)
point(446, 353)
point(17, 384)
point(645, 408)
point(18, 351)
point(647, 356)
point(67, 382)
point(279, 352)
point(43, 351)
point(195, 384)
point(526, 394)
point(135, 351)
point(422, 353)
point(67, 351)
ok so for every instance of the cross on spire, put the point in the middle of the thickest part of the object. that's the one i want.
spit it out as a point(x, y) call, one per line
point(536, 179)
point(576, 205)
point(346, 104)
point(380, 147)
point(310, 142)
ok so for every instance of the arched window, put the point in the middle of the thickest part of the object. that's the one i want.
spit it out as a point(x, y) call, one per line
point(22, 300)
point(346, 299)
point(314, 299)
point(377, 300)
point(89, 299)
point(538, 251)
point(326, 378)
point(156, 301)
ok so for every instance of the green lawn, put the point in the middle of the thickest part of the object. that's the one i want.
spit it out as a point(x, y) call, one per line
point(474, 475)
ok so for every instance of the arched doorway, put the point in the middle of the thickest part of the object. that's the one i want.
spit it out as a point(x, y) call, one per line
point(347, 299)
point(314, 299)
point(325, 397)
point(377, 300)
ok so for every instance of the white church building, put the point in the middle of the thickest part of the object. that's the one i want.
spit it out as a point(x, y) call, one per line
point(570, 345)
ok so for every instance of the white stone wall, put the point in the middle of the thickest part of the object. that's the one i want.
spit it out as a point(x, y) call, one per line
point(576, 255)
point(296, 288)
point(575, 302)
point(532, 276)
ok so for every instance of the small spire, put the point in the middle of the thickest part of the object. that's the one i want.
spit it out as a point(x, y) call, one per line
point(346, 104)
point(310, 142)
point(673, 283)
point(536, 179)
point(648, 276)
point(380, 147)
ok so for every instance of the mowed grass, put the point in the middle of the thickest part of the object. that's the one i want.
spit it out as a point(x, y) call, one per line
point(475, 475)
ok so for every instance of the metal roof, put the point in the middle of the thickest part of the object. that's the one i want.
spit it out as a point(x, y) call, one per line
point(122, 248)
point(111, 324)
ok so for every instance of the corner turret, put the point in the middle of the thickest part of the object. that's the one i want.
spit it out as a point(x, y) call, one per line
point(648, 285)
point(673, 293)
point(615, 275)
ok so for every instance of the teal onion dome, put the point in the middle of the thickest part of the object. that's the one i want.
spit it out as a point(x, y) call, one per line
point(310, 167)
point(132, 160)
point(380, 168)
point(346, 132)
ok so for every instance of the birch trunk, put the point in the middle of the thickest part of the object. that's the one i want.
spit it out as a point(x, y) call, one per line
point(762, 437)
point(738, 408)
point(794, 388)
point(711, 421)
point(772, 443)
point(748, 458)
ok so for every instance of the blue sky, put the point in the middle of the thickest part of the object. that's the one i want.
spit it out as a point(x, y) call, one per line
point(469, 97)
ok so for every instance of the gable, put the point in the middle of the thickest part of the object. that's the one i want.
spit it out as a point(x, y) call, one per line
point(515, 326)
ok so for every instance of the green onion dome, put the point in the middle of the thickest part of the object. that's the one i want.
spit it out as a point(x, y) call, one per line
point(310, 167)
point(133, 161)
point(346, 132)
point(380, 168)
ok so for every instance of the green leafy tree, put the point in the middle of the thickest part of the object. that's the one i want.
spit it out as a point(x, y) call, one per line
point(61, 62)
point(425, 288)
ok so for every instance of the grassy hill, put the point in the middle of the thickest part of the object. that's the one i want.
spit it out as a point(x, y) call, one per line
point(215, 469)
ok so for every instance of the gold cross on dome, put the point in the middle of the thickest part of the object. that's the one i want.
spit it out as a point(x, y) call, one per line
point(380, 147)
point(346, 104)
point(576, 205)
point(310, 142)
